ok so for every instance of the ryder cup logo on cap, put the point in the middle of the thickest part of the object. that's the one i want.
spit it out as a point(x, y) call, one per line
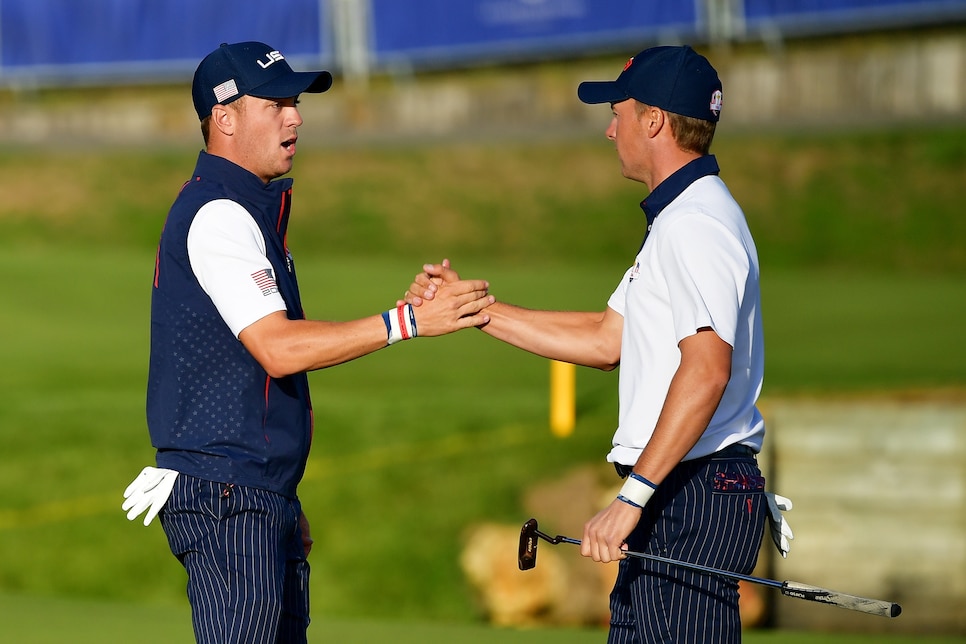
point(253, 69)
point(716, 102)
point(675, 79)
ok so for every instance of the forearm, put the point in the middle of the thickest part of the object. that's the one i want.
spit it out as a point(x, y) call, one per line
point(283, 346)
point(692, 399)
point(583, 338)
point(296, 346)
point(693, 396)
point(687, 412)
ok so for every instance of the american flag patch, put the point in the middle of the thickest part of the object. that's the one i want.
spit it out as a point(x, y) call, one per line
point(226, 90)
point(265, 281)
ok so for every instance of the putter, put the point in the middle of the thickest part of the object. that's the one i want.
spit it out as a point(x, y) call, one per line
point(530, 537)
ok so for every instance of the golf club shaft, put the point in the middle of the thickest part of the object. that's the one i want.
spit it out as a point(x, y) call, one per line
point(788, 588)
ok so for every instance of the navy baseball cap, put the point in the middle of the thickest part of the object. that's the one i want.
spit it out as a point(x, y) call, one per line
point(251, 68)
point(675, 79)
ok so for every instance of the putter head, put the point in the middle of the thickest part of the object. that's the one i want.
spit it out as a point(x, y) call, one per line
point(527, 558)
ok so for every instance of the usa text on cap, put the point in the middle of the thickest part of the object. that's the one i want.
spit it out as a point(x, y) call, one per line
point(253, 69)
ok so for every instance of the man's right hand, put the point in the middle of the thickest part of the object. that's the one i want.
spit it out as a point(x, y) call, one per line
point(445, 302)
point(426, 284)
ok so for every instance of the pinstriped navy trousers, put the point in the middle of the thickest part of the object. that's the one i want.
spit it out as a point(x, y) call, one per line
point(247, 572)
point(709, 511)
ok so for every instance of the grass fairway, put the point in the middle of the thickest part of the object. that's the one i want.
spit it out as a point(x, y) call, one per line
point(412, 445)
point(41, 620)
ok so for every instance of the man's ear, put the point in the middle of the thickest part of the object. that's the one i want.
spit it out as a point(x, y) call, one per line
point(654, 120)
point(223, 119)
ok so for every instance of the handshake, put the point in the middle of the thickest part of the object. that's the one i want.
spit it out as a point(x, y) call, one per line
point(438, 302)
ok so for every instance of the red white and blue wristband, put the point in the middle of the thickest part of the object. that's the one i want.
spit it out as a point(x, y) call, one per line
point(400, 324)
point(636, 491)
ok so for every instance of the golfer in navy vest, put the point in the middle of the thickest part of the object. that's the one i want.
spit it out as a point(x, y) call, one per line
point(684, 325)
point(228, 403)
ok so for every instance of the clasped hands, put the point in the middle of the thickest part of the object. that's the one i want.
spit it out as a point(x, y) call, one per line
point(438, 292)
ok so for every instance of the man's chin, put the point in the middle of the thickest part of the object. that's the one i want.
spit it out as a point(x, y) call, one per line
point(283, 168)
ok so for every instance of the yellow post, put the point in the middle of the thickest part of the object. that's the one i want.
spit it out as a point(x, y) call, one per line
point(563, 397)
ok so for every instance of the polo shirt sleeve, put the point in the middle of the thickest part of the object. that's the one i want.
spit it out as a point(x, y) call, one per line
point(706, 268)
point(618, 299)
point(226, 250)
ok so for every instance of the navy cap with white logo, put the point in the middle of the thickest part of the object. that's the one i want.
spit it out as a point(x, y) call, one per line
point(253, 69)
point(675, 79)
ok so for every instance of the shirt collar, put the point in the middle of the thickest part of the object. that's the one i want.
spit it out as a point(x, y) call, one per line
point(669, 189)
point(229, 173)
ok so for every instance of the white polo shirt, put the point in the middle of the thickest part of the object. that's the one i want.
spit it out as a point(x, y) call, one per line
point(698, 268)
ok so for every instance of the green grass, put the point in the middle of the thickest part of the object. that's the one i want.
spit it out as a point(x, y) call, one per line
point(870, 201)
point(47, 620)
point(413, 444)
point(417, 443)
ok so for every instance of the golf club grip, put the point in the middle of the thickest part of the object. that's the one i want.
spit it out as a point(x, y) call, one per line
point(843, 600)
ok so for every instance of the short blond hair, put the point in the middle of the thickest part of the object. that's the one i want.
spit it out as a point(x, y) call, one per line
point(691, 134)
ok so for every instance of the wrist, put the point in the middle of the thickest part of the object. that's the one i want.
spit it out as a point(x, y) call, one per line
point(400, 324)
point(636, 491)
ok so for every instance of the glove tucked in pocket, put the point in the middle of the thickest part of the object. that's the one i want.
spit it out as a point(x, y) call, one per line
point(781, 532)
point(149, 491)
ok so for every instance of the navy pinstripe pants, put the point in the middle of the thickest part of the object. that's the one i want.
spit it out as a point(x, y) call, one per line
point(709, 511)
point(247, 572)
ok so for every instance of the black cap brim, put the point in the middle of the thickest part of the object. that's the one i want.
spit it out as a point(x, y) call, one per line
point(593, 92)
point(294, 84)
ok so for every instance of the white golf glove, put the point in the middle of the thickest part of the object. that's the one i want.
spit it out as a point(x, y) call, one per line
point(149, 491)
point(781, 532)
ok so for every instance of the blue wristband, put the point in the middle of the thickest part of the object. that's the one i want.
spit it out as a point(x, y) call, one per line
point(638, 477)
point(385, 318)
point(412, 320)
point(621, 497)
